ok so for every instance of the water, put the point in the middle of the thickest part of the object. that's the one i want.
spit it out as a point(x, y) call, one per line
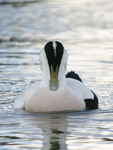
point(86, 30)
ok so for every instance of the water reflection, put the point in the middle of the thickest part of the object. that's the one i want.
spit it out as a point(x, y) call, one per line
point(64, 130)
point(54, 128)
point(68, 130)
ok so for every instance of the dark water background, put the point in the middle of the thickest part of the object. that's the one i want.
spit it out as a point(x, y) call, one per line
point(85, 27)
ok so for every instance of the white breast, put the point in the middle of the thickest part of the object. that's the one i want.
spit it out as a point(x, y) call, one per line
point(44, 100)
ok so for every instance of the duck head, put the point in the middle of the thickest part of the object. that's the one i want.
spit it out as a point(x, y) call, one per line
point(53, 60)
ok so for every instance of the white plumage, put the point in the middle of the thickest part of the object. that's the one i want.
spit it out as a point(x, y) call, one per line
point(69, 95)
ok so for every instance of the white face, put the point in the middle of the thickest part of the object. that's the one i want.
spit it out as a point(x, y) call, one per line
point(63, 65)
point(44, 64)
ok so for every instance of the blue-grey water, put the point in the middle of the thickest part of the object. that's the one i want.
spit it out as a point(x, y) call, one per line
point(85, 27)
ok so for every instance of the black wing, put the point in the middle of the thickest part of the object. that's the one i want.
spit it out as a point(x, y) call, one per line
point(73, 75)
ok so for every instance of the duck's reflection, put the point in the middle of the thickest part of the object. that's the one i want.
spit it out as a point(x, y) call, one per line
point(54, 129)
point(54, 143)
point(55, 140)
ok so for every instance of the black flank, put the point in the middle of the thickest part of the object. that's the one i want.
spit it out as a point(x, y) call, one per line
point(91, 103)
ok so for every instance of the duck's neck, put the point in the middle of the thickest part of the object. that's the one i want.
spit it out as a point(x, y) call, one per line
point(61, 76)
point(46, 80)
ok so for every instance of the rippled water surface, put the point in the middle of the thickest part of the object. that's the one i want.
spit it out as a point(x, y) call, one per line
point(85, 27)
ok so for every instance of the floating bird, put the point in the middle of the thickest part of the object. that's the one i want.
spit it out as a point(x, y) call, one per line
point(56, 91)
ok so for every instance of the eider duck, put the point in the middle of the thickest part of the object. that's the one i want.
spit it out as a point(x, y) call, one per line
point(56, 91)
